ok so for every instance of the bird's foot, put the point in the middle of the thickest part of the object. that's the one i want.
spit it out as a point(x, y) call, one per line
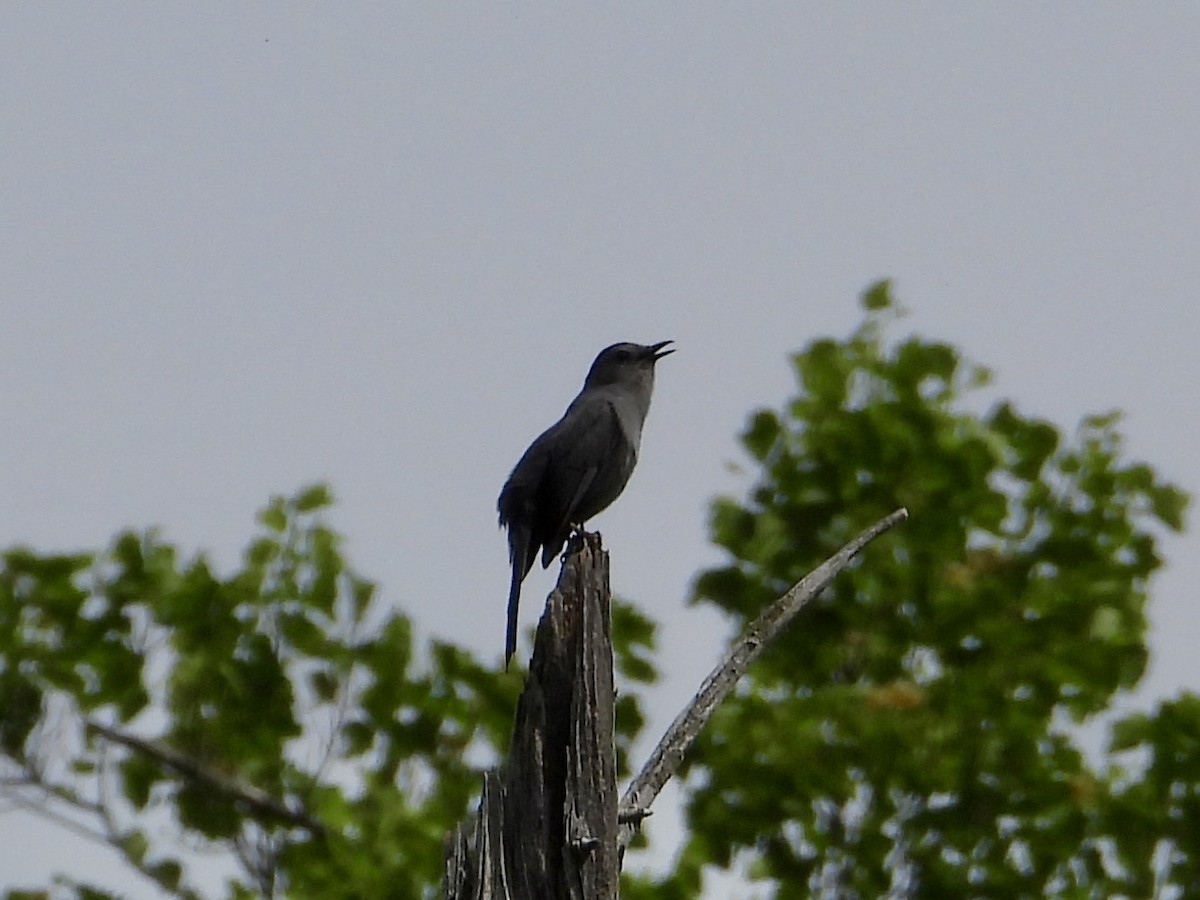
point(575, 540)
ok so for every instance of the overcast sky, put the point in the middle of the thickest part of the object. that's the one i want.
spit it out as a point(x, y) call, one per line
point(246, 247)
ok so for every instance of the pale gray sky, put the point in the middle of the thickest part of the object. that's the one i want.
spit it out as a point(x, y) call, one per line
point(247, 247)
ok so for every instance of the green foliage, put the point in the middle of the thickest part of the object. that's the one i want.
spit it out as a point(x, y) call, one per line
point(285, 676)
point(906, 735)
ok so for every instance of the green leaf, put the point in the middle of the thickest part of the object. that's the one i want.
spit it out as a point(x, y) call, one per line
point(325, 685)
point(313, 498)
point(20, 711)
point(761, 434)
point(1169, 504)
point(822, 371)
point(138, 775)
point(274, 515)
point(878, 296)
point(135, 845)
point(167, 872)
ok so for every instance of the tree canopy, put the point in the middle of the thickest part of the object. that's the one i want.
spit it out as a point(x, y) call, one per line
point(912, 734)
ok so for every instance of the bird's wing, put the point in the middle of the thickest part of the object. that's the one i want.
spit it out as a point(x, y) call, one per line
point(553, 540)
point(588, 441)
point(520, 491)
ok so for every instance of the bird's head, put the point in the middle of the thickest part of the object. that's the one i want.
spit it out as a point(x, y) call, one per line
point(626, 364)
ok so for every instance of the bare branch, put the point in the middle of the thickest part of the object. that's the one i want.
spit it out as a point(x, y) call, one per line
point(257, 801)
point(667, 756)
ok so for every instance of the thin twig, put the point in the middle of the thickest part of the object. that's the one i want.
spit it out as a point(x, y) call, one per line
point(42, 809)
point(119, 839)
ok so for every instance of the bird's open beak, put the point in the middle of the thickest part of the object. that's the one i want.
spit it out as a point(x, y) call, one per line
point(659, 352)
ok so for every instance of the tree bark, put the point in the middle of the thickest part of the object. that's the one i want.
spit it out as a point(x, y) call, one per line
point(547, 826)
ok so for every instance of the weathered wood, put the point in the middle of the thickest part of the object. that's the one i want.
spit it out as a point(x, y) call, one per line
point(547, 827)
point(592, 760)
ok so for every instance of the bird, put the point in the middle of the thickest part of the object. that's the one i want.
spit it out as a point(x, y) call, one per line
point(579, 465)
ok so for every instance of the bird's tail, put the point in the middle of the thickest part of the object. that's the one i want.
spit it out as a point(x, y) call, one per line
point(514, 600)
point(520, 555)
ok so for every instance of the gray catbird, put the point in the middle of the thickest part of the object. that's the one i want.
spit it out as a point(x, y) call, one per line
point(579, 465)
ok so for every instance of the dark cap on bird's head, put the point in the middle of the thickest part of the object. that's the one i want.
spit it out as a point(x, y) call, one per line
point(620, 361)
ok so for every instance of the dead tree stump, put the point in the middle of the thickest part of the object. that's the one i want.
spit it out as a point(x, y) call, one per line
point(547, 825)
